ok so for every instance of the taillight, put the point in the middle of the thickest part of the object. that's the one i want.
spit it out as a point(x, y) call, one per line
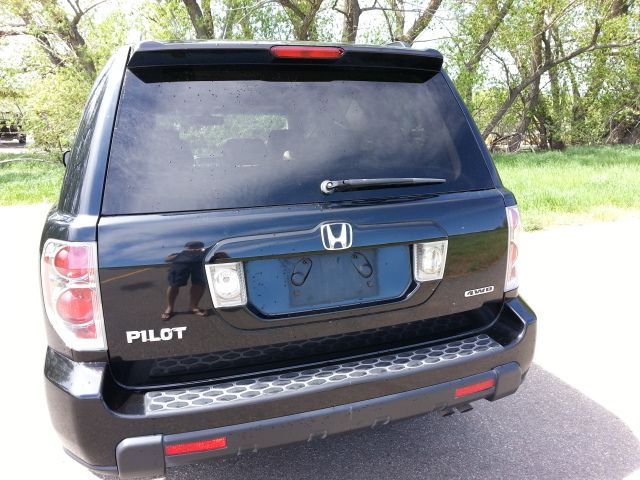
point(71, 293)
point(72, 261)
point(295, 51)
point(515, 227)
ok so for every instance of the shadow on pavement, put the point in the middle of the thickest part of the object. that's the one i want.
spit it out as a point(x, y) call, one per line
point(546, 430)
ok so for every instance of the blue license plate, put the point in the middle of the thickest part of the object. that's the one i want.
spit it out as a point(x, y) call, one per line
point(288, 285)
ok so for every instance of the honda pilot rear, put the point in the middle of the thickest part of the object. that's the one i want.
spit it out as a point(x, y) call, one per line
point(258, 244)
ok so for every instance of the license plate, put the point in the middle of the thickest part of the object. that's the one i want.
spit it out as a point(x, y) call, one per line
point(281, 286)
point(333, 279)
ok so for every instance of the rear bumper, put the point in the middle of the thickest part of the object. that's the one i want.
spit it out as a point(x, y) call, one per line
point(103, 437)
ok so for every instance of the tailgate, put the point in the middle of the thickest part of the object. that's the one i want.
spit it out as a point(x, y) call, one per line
point(304, 303)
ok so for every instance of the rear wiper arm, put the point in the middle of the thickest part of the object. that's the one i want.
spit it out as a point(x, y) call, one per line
point(330, 186)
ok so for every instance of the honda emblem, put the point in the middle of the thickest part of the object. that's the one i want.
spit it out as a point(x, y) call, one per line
point(336, 236)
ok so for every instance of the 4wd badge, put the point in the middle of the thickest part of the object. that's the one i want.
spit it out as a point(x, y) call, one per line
point(478, 291)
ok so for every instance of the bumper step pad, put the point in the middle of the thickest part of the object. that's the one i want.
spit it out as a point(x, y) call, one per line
point(314, 379)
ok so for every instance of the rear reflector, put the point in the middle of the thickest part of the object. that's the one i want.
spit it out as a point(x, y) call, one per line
point(194, 447)
point(475, 387)
point(291, 51)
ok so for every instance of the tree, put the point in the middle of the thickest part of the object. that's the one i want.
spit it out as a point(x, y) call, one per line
point(302, 14)
point(52, 27)
point(351, 10)
point(422, 22)
point(532, 100)
point(218, 19)
point(591, 43)
point(475, 33)
point(551, 71)
point(201, 18)
point(59, 65)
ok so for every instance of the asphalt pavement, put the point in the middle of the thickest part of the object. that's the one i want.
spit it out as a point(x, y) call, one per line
point(576, 416)
point(12, 146)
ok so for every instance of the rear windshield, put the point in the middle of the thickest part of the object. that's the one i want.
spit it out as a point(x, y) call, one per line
point(206, 140)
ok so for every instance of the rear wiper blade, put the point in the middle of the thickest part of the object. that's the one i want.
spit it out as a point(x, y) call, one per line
point(330, 186)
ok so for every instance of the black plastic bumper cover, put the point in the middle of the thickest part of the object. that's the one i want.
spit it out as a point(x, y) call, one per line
point(133, 445)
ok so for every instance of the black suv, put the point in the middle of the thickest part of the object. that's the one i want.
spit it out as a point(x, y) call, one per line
point(260, 244)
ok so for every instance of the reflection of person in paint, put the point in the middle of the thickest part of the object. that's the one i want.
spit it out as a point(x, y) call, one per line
point(184, 265)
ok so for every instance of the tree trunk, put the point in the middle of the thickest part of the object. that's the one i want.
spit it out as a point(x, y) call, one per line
point(43, 40)
point(201, 19)
point(471, 65)
point(227, 24)
point(528, 80)
point(531, 104)
point(79, 46)
point(302, 19)
point(398, 19)
point(616, 9)
point(577, 110)
point(488, 34)
point(207, 17)
point(619, 8)
point(307, 30)
point(351, 11)
point(541, 123)
point(67, 31)
point(422, 22)
point(554, 141)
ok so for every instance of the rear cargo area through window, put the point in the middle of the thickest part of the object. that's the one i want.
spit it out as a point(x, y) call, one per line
point(203, 140)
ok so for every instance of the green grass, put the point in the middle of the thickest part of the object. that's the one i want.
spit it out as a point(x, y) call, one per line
point(580, 184)
point(25, 182)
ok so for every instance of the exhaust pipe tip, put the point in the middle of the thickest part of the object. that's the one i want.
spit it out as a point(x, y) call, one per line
point(447, 412)
point(462, 408)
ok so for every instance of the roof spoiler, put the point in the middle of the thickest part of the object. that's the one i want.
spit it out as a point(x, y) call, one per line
point(200, 54)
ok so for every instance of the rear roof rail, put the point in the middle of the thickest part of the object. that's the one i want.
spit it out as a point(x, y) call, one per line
point(218, 53)
point(398, 44)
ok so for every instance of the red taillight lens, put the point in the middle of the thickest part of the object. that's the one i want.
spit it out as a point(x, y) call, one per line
point(475, 388)
point(292, 51)
point(86, 331)
point(72, 261)
point(71, 293)
point(515, 228)
point(193, 447)
point(75, 306)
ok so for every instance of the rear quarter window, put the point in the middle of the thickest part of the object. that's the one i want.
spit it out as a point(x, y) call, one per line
point(218, 142)
point(75, 169)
